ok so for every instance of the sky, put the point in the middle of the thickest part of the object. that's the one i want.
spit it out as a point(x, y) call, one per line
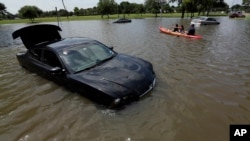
point(48, 5)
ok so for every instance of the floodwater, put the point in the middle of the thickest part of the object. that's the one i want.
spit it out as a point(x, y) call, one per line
point(202, 86)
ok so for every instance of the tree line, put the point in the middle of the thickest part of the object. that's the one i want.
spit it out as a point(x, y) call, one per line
point(109, 7)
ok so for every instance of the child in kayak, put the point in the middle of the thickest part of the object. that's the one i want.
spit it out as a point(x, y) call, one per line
point(176, 28)
point(181, 30)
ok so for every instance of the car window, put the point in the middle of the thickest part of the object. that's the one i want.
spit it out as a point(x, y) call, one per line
point(211, 19)
point(195, 20)
point(202, 19)
point(35, 54)
point(50, 58)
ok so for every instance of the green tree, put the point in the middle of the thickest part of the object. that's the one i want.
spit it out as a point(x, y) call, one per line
point(167, 8)
point(106, 7)
point(65, 9)
point(181, 6)
point(30, 12)
point(220, 5)
point(153, 6)
point(83, 12)
point(204, 6)
point(141, 8)
point(2, 10)
point(246, 2)
point(138, 8)
point(63, 12)
point(191, 7)
point(76, 11)
point(125, 8)
point(236, 7)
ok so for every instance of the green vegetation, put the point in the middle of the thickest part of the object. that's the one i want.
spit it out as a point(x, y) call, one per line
point(109, 9)
point(99, 17)
point(30, 12)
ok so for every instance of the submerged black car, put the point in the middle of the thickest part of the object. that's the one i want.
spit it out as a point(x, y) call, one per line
point(123, 20)
point(85, 65)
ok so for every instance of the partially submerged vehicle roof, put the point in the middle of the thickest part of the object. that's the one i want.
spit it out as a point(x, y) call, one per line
point(202, 17)
point(35, 34)
point(70, 42)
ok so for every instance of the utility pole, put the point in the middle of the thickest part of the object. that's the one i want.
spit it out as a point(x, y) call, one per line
point(65, 9)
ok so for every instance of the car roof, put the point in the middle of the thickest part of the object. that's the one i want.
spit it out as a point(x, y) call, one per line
point(202, 17)
point(69, 42)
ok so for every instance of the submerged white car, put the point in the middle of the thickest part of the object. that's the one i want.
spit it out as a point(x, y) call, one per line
point(205, 21)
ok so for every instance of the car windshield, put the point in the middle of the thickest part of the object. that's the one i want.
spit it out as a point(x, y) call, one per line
point(203, 18)
point(85, 56)
point(195, 20)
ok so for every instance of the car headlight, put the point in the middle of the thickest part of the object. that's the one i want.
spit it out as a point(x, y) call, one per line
point(117, 101)
point(125, 98)
point(154, 81)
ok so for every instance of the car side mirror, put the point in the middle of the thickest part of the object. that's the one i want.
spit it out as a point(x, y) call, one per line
point(111, 47)
point(55, 70)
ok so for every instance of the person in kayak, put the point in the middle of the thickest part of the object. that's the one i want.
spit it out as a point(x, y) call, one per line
point(191, 30)
point(181, 30)
point(176, 28)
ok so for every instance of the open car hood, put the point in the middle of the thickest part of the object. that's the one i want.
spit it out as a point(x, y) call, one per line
point(36, 34)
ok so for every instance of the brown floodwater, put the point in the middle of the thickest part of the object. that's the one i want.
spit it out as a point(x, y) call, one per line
point(202, 86)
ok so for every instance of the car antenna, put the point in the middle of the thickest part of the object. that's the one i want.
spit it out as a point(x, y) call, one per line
point(58, 17)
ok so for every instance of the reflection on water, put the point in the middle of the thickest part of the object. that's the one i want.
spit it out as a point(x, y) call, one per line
point(203, 86)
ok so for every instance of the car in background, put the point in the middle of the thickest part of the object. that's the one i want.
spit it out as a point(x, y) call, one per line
point(237, 14)
point(123, 20)
point(85, 65)
point(204, 21)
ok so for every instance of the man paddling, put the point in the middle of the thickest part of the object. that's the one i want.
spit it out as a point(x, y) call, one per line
point(191, 30)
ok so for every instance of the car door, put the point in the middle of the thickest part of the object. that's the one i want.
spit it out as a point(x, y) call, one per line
point(34, 60)
point(210, 21)
point(53, 68)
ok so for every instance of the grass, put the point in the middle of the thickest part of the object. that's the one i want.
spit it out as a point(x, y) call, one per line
point(98, 17)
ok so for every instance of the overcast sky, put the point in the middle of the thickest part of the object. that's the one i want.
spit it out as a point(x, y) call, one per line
point(48, 5)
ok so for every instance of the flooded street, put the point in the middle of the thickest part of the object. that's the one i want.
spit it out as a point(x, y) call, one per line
point(202, 86)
